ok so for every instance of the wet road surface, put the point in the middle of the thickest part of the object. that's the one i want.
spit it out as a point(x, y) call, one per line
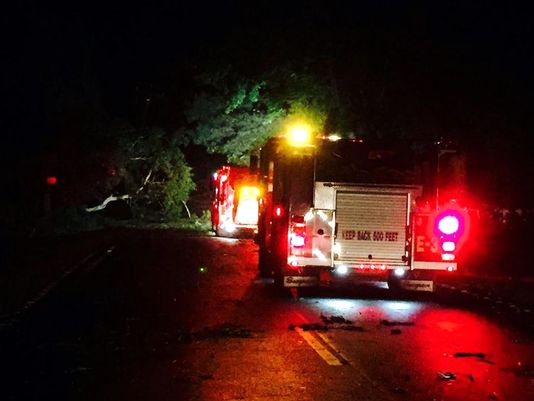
point(170, 316)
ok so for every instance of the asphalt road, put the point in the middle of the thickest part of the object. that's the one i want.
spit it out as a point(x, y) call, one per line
point(166, 316)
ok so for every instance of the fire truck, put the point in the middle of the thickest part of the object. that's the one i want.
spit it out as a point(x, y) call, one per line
point(235, 196)
point(336, 209)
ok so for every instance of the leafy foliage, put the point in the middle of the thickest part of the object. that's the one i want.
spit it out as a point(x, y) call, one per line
point(153, 170)
point(235, 116)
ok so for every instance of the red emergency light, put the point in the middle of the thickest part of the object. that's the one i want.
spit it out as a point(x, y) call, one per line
point(449, 223)
point(51, 180)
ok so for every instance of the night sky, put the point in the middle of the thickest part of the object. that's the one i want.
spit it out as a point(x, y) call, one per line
point(466, 63)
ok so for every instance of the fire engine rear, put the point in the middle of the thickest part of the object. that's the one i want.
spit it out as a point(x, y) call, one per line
point(235, 201)
point(334, 209)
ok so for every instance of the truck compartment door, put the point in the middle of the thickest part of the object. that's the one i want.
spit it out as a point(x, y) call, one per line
point(371, 226)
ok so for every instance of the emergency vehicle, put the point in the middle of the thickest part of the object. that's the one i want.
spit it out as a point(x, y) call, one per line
point(234, 201)
point(340, 209)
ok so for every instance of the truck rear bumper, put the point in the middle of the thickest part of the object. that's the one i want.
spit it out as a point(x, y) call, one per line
point(315, 276)
point(312, 276)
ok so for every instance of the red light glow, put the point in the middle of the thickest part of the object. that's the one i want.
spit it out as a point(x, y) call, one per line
point(278, 211)
point(52, 180)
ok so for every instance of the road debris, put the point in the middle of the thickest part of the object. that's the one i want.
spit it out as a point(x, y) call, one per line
point(350, 328)
point(223, 331)
point(334, 319)
point(481, 357)
point(323, 327)
point(313, 326)
point(389, 323)
point(445, 376)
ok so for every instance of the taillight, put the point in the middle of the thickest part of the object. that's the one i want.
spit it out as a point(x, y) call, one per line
point(297, 232)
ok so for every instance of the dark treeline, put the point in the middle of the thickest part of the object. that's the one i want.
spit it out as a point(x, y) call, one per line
point(84, 84)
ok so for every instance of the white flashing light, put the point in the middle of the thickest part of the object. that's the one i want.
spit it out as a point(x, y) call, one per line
point(342, 269)
point(399, 272)
point(308, 216)
point(448, 246)
point(215, 175)
point(334, 137)
point(447, 256)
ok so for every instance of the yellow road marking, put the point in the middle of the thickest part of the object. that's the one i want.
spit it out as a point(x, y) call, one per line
point(319, 348)
point(333, 346)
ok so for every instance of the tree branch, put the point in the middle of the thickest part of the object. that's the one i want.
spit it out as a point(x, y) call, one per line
point(145, 182)
point(187, 209)
point(110, 198)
